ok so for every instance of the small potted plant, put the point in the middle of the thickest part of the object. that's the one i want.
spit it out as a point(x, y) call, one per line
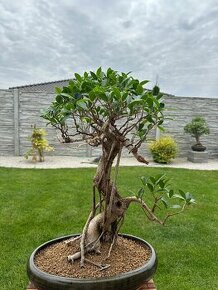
point(39, 145)
point(196, 128)
point(105, 107)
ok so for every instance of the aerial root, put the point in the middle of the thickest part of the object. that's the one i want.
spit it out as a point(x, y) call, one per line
point(77, 255)
point(70, 241)
point(111, 247)
point(99, 265)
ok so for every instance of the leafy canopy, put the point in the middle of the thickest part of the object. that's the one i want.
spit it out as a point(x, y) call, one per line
point(98, 98)
point(197, 127)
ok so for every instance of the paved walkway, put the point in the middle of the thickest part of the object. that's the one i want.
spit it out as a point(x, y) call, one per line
point(75, 162)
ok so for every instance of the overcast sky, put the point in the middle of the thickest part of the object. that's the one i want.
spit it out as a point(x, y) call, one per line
point(173, 42)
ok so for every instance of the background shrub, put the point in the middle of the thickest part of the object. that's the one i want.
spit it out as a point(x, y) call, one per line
point(164, 149)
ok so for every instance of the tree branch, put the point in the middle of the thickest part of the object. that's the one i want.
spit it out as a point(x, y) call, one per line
point(175, 213)
point(151, 216)
point(132, 149)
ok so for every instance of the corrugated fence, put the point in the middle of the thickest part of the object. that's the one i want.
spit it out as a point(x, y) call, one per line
point(21, 109)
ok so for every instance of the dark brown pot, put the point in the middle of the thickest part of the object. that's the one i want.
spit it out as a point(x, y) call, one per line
point(130, 280)
point(198, 147)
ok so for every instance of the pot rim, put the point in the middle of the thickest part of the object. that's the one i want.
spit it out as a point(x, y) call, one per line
point(146, 266)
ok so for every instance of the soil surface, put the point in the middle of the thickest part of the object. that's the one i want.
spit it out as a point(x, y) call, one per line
point(126, 255)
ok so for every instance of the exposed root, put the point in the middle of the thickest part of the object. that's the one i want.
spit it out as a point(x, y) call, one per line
point(111, 246)
point(82, 242)
point(88, 248)
point(120, 222)
point(94, 245)
point(72, 258)
point(99, 265)
point(90, 238)
point(71, 240)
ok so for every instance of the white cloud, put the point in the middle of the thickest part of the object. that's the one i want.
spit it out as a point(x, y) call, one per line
point(172, 39)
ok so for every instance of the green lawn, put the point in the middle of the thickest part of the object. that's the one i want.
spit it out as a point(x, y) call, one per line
point(37, 205)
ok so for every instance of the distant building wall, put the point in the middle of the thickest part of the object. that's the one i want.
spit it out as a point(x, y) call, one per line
point(19, 109)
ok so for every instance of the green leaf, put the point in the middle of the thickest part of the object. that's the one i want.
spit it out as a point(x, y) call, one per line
point(150, 102)
point(178, 196)
point(124, 96)
point(159, 96)
point(182, 193)
point(117, 93)
point(70, 106)
point(161, 128)
point(71, 83)
point(93, 75)
point(66, 95)
point(189, 198)
point(86, 119)
point(135, 103)
point(144, 82)
point(164, 201)
point(92, 95)
point(150, 187)
point(140, 192)
point(141, 125)
point(82, 104)
point(162, 105)
point(134, 83)
point(59, 99)
point(171, 193)
point(155, 90)
point(98, 72)
point(109, 72)
point(78, 77)
point(58, 90)
point(162, 184)
point(139, 89)
point(144, 180)
point(153, 179)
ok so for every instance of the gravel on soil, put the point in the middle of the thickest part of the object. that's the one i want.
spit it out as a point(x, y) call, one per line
point(126, 255)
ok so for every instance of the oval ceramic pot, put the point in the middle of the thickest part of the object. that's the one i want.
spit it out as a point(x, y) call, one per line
point(126, 281)
point(198, 148)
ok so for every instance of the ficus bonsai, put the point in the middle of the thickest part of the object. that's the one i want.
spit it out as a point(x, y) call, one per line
point(113, 110)
point(196, 128)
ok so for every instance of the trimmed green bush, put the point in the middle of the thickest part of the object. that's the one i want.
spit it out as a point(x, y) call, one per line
point(164, 149)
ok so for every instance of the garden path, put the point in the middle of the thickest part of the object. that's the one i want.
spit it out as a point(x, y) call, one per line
point(79, 162)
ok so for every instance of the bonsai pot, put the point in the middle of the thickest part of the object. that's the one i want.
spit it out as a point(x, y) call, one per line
point(198, 147)
point(125, 281)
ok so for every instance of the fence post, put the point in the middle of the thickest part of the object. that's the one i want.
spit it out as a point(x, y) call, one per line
point(16, 123)
point(157, 134)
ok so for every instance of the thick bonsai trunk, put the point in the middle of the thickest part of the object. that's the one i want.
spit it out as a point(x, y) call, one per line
point(197, 138)
point(109, 197)
point(104, 226)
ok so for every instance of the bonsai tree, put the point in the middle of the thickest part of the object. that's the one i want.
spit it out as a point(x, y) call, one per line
point(113, 110)
point(39, 145)
point(196, 128)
